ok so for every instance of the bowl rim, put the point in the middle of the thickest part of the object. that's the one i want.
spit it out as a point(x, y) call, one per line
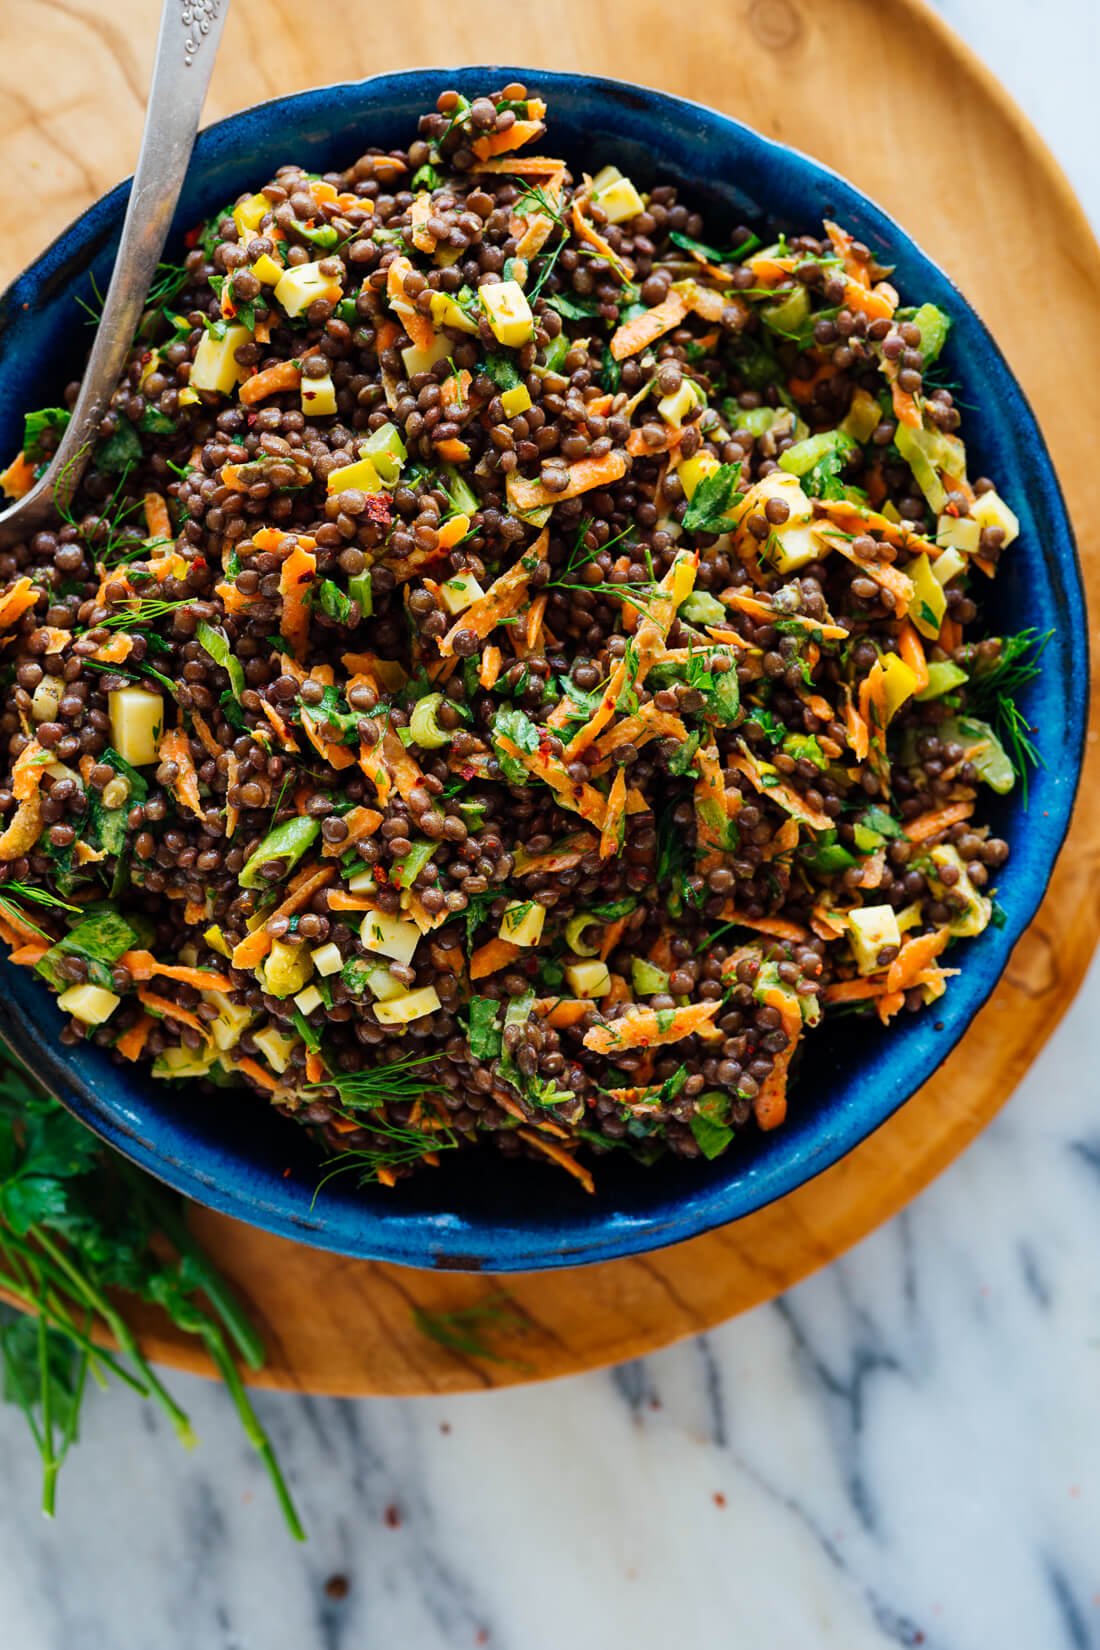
point(461, 1243)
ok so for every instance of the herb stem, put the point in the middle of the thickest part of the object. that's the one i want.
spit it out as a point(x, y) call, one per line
point(250, 1422)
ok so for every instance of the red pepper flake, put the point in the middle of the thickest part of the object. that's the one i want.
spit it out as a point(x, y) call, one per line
point(719, 1499)
point(392, 1517)
point(191, 238)
point(379, 509)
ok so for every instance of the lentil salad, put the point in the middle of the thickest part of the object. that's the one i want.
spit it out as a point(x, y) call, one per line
point(505, 674)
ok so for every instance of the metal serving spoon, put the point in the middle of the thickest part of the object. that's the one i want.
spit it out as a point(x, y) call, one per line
point(186, 48)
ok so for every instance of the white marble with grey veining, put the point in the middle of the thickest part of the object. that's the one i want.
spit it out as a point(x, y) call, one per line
point(903, 1451)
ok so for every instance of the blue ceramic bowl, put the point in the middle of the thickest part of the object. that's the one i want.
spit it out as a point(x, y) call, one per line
point(476, 1211)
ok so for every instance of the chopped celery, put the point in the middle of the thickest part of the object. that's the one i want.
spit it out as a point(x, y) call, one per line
point(943, 675)
point(863, 417)
point(788, 315)
point(984, 750)
point(647, 978)
point(702, 608)
point(802, 457)
point(386, 451)
point(406, 871)
point(459, 491)
point(361, 590)
point(288, 842)
point(574, 934)
point(934, 324)
point(424, 723)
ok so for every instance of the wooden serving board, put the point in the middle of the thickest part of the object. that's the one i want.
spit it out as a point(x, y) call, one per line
point(810, 72)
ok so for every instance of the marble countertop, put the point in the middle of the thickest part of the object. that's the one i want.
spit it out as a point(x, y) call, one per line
point(905, 1450)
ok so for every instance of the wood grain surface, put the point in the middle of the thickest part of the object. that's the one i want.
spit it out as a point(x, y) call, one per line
point(986, 200)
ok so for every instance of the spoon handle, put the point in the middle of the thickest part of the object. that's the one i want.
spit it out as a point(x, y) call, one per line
point(186, 48)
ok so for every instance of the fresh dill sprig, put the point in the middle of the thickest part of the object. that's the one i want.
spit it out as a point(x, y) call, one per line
point(398, 1082)
point(994, 689)
point(147, 611)
point(40, 896)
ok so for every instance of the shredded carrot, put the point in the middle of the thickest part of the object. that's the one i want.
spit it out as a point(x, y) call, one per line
point(157, 524)
point(643, 330)
point(583, 473)
point(131, 1045)
point(453, 530)
point(206, 737)
point(853, 991)
point(18, 479)
point(499, 143)
point(583, 227)
point(143, 966)
point(504, 597)
point(535, 615)
point(492, 956)
point(783, 795)
point(950, 635)
point(638, 444)
point(916, 955)
point(300, 890)
point(176, 747)
point(361, 823)
point(419, 213)
point(641, 1028)
point(611, 833)
point(169, 1010)
point(491, 662)
point(259, 1074)
point(15, 602)
point(937, 820)
point(859, 734)
point(296, 575)
point(17, 928)
point(779, 928)
point(522, 166)
point(560, 1156)
point(284, 375)
point(911, 649)
point(27, 956)
point(340, 900)
point(770, 1104)
point(896, 584)
point(453, 451)
point(562, 1012)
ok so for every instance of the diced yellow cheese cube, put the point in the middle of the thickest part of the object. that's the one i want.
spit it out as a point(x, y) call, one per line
point(792, 546)
point(89, 1003)
point(171, 1064)
point(676, 407)
point(516, 401)
point(382, 985)
point(509, 314)
point(928, 604)
point(362, 883)
point(461, 592)
point(620, 201)
point(268, 269)
point(232, 1022)
point(137, 721)
point(327, 959)
point(948, 566)
point(522, 922)
point(318, 396)
point(360, 477)
point(215, 366)
point(275, 1048)
point(249, 214)
point(447, 313)
point(411, 1005)
point(959, 533)
point(390, 936)
point(302, 285)
point(693, 470)
point(46, 698)
point(423, 360)
point(871, 929)
point(990, 510)
point(588, 979)
point(308, 1000)
point(286, 969)
point(605, 177)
